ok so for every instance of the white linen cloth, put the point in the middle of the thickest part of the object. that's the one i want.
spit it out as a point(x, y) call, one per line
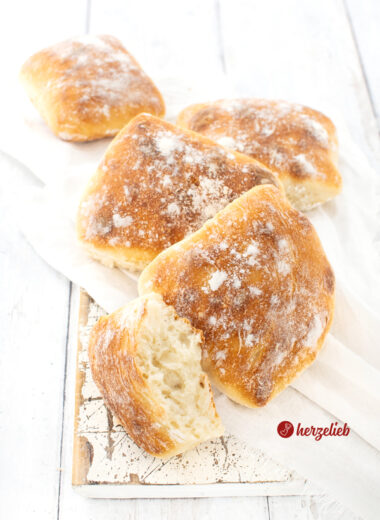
point(344, 382)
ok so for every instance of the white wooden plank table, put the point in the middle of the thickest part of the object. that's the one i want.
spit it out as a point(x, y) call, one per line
point(318, 53)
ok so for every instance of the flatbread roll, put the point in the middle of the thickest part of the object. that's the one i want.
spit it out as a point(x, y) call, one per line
point(255, 280)
point(89, 87)
point(156, 184)
point(296, 141)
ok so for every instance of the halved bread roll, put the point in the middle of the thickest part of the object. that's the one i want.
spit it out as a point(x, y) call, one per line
point(89, 87)
point(296, 141)
point(256, 281)
point(156, 184)
point(146, 362)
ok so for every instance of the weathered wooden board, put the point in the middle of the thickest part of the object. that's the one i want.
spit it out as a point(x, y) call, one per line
point(106, 462)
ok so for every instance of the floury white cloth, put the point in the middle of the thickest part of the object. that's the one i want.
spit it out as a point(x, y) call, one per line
point(342, 385)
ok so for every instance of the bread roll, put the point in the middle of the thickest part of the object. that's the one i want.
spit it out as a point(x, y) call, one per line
point(145, 361)
point(89, 87)
point(256, 281)
point(156, 184)
point(298, 142)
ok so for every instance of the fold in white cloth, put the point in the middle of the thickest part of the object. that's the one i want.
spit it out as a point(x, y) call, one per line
point(344, 382)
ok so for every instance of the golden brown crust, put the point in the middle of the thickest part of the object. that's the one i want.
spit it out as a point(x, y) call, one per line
point(298, 142)
point(89, 87)
point(156, 184)
point(256, 281)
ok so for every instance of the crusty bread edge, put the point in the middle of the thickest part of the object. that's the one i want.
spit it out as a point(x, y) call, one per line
point(147, 409)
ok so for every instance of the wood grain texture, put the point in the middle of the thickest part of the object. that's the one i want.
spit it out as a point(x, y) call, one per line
point(168, 38)
point(81, 449)
point(301, 52)
point(34, 300)
point(364, 19)
point(34, 312)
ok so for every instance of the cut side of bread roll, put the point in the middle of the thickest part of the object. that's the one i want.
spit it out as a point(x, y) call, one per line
point(156, 184)
point(256, 281)
point(146, 362)
point(296, 141)
point(89, 87)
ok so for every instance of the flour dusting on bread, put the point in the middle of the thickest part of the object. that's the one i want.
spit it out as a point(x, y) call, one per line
point(297, 141)
point(256, 281)
point(157, 184)
point(89, 87)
